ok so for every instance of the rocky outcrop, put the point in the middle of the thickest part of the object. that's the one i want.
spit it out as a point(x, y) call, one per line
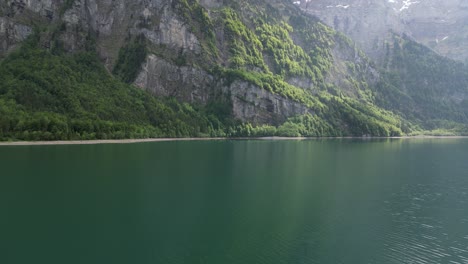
point(17, 18)
point(211, 3)
point(171, 32)
point(112, 23)
point(11, 34)
point(250, 103)
point(186, 83)
point(44, 8)
point(256, 105)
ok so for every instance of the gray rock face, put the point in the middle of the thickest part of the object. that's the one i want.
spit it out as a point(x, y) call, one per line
point(253, 104)
point(211, 3)
point(11, 34)
point(172, 32)
point(441, 25)
point(45, 8)
point(163, 78)
point(250, 103)
point(367, 22)
point(114, 21)
point(17, 17)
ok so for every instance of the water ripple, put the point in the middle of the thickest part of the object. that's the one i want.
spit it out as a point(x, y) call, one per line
point(417, 237)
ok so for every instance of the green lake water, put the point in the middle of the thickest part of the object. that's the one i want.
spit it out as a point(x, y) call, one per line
point(241, 202)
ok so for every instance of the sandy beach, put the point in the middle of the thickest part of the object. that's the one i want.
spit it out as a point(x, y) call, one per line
point(132, 141)
point(95, 142)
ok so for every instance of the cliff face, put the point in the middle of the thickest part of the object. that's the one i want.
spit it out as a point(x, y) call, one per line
point(184, 40)
point(13, 25)
point(368, 23)
point(440, 25)
point(189, 84)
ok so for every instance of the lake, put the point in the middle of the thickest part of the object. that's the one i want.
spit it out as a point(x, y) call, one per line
point(221, 202)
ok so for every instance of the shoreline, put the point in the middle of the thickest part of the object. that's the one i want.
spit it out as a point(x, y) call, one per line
point(148, 140)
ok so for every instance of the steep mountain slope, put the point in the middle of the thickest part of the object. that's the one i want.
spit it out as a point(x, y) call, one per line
point(368, 23)
point(237, 63)
point(423, 86)
point(440, 25)
point(416, 82)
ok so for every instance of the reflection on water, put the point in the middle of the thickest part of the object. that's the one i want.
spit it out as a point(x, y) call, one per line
point(315, 201)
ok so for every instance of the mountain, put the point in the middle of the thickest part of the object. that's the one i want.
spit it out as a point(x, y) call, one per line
point(138, 68)
point(440, 25)
point(409, 41)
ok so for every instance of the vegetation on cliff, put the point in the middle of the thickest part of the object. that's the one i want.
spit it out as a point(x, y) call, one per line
point(55, 97)
point(424, 87)
point(47, 97)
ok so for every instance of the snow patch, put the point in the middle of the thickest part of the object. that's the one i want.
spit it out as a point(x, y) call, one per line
point(339, 6)
point(299, 2)
point(405, 4)
point(445, 38)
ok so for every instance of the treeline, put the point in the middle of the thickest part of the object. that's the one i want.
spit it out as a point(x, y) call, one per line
point(44, 96)
point(16, 124)
point(422, 85)
point(49, 97)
